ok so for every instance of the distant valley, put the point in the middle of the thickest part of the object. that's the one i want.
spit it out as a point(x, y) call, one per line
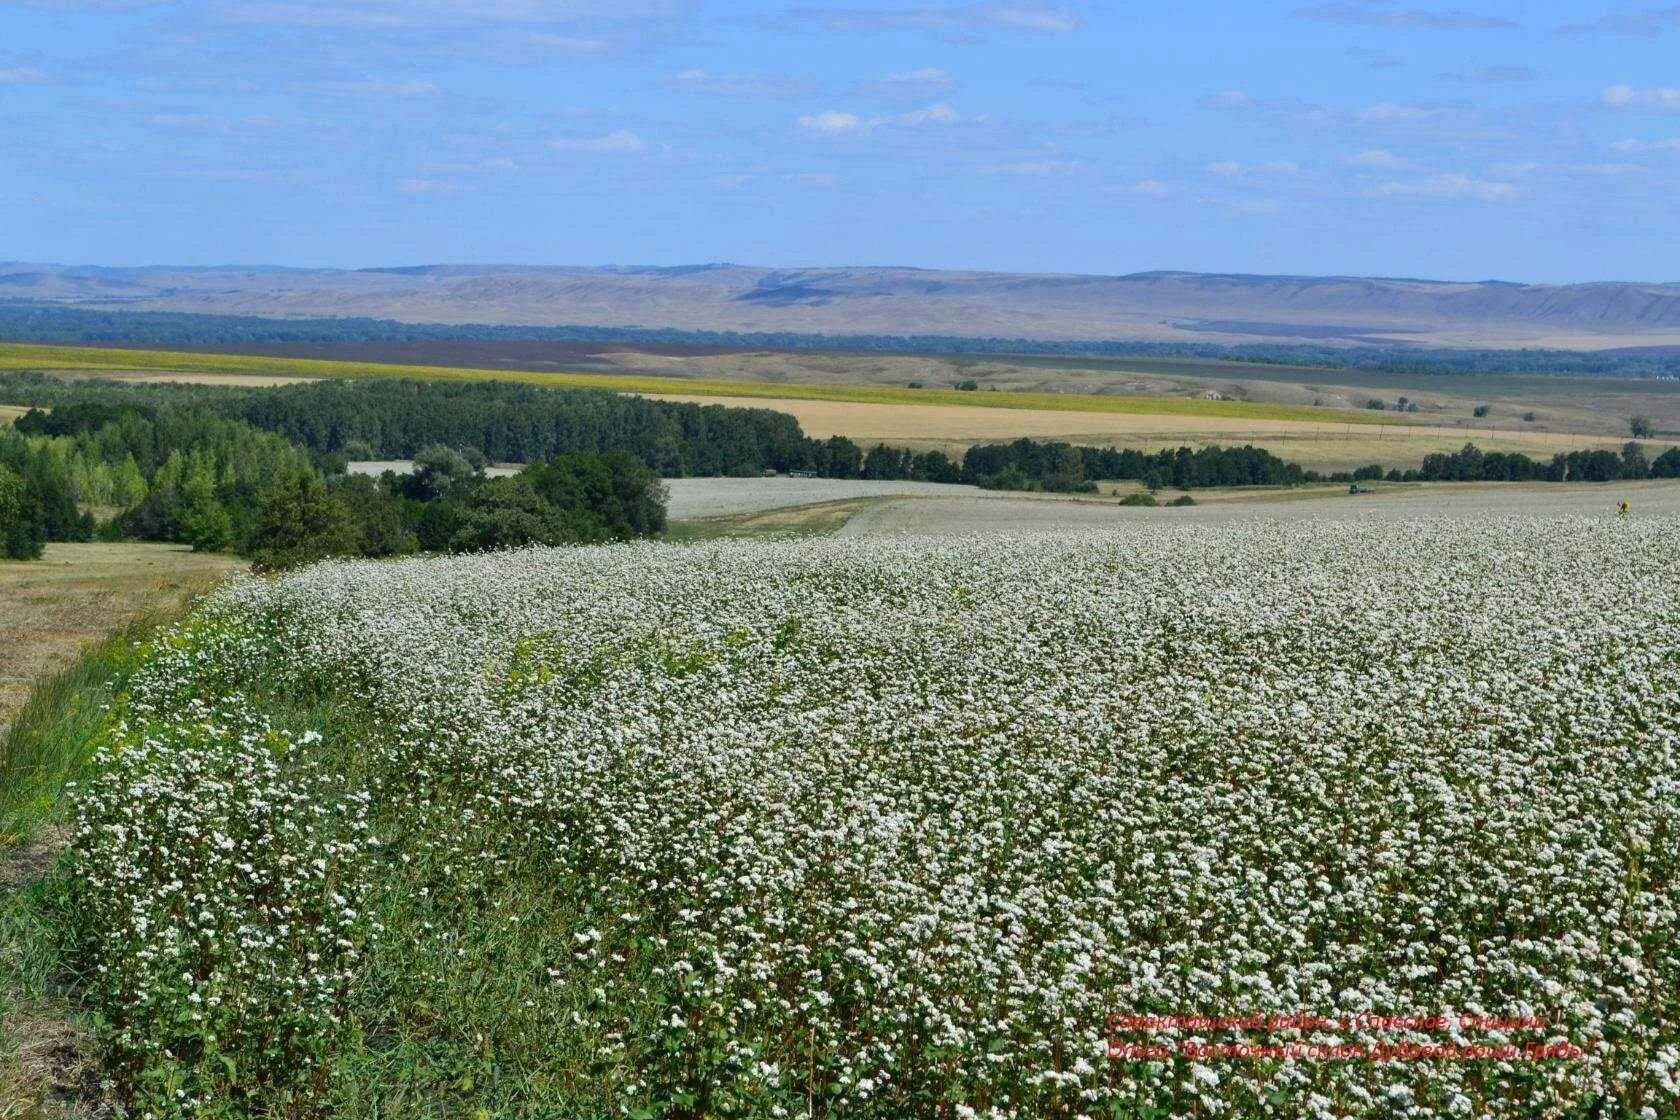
point(1147, 306)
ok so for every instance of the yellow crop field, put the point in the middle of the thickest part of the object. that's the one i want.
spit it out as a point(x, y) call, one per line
point(1325, 442)
point(24, 356)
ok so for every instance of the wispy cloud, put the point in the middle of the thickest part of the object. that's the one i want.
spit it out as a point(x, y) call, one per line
point(1034, 17)
point(933, 114)
point(23, 76)
point(1227, 99)
point(1375, 59)
point(832, 122)
point(1378, 158)
point(620, 143)
point(400, 14)
point(1491, 75)
point(1660, 99)
point(1448, 185)
point(909, 83)
point(1035, 169)
point(752, 87)
point(1390, 111)
point(1671, 144)
point(1377, 13)
point(424, 186)
point(1644, 24)
point(1231, 169)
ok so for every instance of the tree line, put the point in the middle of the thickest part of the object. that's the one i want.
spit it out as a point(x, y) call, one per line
point(179, 472)
point(262, 472)
point(1470, 464)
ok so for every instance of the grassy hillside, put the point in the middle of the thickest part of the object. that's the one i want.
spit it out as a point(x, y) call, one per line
point(34, 356)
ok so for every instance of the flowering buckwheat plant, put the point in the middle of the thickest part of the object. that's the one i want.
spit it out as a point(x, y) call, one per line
point(890, 828)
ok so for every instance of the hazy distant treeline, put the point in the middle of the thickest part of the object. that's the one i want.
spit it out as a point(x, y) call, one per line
point(49, 323)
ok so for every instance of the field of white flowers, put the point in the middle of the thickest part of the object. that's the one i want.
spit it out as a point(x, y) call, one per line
point(892, 828)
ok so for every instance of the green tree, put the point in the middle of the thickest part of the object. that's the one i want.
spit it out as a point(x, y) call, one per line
point(300, 522)
point(22, 534)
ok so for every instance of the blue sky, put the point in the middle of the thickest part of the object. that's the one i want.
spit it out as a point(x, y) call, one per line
point(1527, 141)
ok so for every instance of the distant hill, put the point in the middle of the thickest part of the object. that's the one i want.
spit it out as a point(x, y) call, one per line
point(1151, 306)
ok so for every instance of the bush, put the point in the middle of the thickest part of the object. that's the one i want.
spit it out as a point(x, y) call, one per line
point(1141, 499)
point(1481, 410)
point(1182, 500)
point(1641, 427)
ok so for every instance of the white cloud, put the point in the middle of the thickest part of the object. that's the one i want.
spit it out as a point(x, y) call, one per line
point(833, 123)
point(1035, 169)
point(1376, 157)
point(758, 87)
point(1647, 24)
point(933, 114)
point(405, 14)
point(548, 42)
point(1394, 111)
point(413, 88)
point(1227, 99)
point(1231, 169)
point(23, 76)
point(909, 83)
point(1033, 17)
point(1376, 13)
point(424, 186)
point(1246, 205)
point(1662, 99)
point(1447, 185)
point(1154, 188)
point(960, 19)
point(622, 142)
point(1489, 75)
point(1672, 144)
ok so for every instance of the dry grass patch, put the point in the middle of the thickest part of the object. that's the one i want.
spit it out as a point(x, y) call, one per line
point(51, 608)
point(808, 520)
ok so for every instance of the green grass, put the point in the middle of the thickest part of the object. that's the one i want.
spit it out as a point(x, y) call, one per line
point(30, 356)
point(43, 1033)
point(49, 743)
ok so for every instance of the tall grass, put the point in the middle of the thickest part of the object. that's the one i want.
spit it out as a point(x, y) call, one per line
point(53, 736)
point(44, 1048)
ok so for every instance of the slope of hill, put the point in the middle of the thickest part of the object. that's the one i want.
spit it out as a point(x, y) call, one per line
point(1146, 305)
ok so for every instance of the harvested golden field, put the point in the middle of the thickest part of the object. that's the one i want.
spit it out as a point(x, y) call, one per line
point(78, 593)
point(175, 377)
point(1316, 444)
